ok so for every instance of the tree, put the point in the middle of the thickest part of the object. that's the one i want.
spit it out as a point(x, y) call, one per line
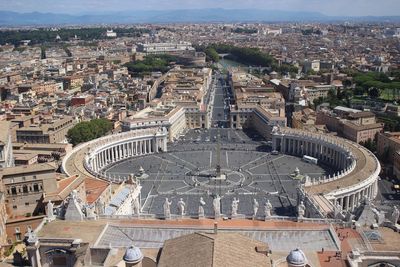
point(346, 83)
point(88, 130)
point(374, 92)
point(369, 144)
point(212, 54)
point(43, 52)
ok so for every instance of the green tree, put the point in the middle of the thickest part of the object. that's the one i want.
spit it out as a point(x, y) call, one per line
point(88, 130)
point(43, 52)
point(346, 83)
point(211, 54)
point(374, 92)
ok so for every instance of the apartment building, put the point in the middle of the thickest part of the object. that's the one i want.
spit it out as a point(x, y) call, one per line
point(355, 125)
point(388, 148)
point(257, 104)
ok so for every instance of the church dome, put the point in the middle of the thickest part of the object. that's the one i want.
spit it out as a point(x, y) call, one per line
point(296, 258)
point(133, 255)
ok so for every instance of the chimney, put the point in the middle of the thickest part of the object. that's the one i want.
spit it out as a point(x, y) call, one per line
point(215, 227)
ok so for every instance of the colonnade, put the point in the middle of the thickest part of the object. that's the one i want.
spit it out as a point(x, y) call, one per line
point(351, 200)
point(91, 158)
point(119, 151)
point(329, 153)
point(358, 166)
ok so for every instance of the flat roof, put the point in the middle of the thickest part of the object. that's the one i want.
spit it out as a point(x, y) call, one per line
point(28, 169)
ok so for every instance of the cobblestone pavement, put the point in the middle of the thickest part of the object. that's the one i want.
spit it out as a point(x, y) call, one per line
point(188, 169)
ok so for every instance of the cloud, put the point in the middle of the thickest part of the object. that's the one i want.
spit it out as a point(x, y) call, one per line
point(329, 7)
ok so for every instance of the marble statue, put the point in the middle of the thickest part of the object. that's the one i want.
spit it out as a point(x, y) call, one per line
point(202, 203)
point(301, 210)
point(50, 210)
point(136, 206)
point(74, 195)
point(255, 207)
point(181, 207)
point(395, 215)
point(276, 129)
point(90, 212)
point(235, 206)
point(32, 238)
point(100, 207)
point(268, 208)
point(167, 208)
point(217, 205)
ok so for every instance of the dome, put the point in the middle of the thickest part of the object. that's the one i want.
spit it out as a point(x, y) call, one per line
point(296, 258)
point(133, 255)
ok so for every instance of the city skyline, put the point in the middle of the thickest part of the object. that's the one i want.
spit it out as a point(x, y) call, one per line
point(336, 8)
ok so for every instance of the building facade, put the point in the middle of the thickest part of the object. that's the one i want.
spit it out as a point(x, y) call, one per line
point(3, 219)
point(54, 131)
point(6, 150)
point(24, 187)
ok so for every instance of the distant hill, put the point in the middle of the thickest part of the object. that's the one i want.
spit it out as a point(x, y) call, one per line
point(168, 16)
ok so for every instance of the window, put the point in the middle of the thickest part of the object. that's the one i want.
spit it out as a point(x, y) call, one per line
point(13, 190)
point(15, 207)
point(17, 230)
point(36, 187)
point(25, 189)
point(26, 203)
point(18, 236)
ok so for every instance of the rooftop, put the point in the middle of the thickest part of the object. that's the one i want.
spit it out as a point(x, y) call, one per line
point(205, 249)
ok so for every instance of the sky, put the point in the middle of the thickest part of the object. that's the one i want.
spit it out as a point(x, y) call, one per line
point(327, 7)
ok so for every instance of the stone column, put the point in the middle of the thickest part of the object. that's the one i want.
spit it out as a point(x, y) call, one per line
point(100, 160)
point(340, 202)
point(358, 198)
point(293, 148)
point(345, 201)
point(274, 142)
point(33, 253)
point(370, 195)
point(352, 202)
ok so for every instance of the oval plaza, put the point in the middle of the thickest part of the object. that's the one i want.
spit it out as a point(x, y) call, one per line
point(350, 176)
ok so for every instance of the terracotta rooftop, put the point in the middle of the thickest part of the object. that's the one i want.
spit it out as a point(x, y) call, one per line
point(65, 187)
point(94, 188)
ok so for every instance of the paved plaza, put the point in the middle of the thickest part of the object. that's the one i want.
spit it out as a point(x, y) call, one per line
point(188, 171)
